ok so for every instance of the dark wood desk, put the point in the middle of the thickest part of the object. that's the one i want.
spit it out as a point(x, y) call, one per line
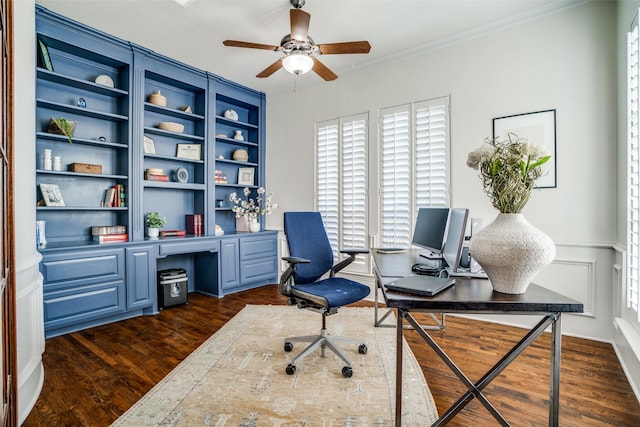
point(475, 296)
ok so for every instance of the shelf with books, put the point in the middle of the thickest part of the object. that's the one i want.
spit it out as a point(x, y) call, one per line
point(85, 78)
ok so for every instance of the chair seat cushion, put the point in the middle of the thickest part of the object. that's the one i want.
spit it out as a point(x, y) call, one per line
point(333, 292)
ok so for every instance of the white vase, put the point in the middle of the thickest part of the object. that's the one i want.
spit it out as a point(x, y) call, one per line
point(511, 251)
point(254, 226)
point(153, 233)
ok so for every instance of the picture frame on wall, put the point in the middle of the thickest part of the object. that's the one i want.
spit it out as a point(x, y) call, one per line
point(245, 176)
point(538, 128)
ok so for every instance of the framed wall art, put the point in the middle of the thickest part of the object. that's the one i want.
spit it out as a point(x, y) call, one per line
point(245, 176)
point(51, 194)
point(189, 151)
point(149, 145)
point(539, 128)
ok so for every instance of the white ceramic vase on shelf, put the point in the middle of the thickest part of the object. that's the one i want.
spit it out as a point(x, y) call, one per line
point(254, 226)
point(511, 251)
point(153, 233)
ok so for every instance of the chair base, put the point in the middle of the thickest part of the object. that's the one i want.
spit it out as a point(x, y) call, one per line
point(324, 341)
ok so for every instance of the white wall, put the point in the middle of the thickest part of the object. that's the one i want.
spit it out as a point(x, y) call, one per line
point(30, 321)
point(564, 61)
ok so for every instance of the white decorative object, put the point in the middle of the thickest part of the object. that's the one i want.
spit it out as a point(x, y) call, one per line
point(241, 155)
point(46, 161)
point(57, 164)
point(511, 251)
point(231, 115)
point(104, 80)
point(153, 233)
point(238, 136)
point(254, 226)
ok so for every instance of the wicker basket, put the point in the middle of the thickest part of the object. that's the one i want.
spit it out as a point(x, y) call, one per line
point(171, 126)
point(158, 99)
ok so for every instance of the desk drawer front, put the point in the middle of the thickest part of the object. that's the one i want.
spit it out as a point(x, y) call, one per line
point(81, 304)
point(257, 247)
point(258, 270)
point(104, 266)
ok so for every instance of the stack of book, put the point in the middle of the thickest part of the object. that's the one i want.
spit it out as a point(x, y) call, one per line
point(172, 233)
point(109, 233)
point(220, 177)
point(194, 224)
point(115, 197)
point(155, 174)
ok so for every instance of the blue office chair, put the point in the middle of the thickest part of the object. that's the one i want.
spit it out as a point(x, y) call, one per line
point(311, 257)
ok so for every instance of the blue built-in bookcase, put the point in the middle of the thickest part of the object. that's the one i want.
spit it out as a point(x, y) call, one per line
point(105, 85)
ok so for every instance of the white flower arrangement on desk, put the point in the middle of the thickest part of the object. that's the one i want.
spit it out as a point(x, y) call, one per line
point(508, 170)
point(250, 208)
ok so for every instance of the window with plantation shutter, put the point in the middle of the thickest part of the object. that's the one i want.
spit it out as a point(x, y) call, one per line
point(414, 153)
point(341, 184)
point(632, 312)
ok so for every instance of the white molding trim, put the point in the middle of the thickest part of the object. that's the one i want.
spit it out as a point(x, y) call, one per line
point(590, 303)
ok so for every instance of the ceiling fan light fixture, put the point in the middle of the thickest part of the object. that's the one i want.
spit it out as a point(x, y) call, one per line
point(297, 63)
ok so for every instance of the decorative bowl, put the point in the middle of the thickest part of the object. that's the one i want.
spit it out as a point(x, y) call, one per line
point(171, 126)
point(104, 80)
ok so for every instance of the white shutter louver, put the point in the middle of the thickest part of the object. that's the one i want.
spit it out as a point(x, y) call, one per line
point(633, 186)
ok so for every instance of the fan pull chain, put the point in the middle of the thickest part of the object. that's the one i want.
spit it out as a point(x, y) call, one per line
point(295, 82)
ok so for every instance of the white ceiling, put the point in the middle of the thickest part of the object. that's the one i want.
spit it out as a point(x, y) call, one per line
point(395, 29)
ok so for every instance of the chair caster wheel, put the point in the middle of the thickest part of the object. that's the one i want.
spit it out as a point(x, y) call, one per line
point(291, 369)
point(347, 372)
point(288, 346)
point(362, 349)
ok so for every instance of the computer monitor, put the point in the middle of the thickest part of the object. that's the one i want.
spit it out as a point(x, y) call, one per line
point(428, 234)
point(455, 238)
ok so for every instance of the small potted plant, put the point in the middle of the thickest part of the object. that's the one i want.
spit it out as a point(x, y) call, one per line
point(62, 126)
point(154, 223)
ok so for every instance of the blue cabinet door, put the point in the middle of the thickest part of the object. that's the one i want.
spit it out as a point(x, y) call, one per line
point(229, 264)
point(141, 268)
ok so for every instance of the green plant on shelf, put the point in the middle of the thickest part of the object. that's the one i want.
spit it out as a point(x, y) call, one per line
point(62, 126)
point(154, 220)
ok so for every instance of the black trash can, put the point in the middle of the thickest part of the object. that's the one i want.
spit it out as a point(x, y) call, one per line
point(172, 287)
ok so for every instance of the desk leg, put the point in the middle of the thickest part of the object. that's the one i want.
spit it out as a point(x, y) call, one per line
point(556, 347)
point(399, 357)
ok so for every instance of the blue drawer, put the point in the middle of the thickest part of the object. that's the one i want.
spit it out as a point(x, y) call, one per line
point(80, 304)
point(259, 270)
point(72, 269)
point(258, 247)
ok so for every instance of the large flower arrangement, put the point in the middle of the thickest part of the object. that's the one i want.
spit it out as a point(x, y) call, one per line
point(508, 170)
point(250, 208)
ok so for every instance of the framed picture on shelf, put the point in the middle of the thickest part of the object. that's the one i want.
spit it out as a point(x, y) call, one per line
point(149, 145)
point(539, 128)
point(44, 57)
point(189, 151)
point(51, 195)
point(245, 176)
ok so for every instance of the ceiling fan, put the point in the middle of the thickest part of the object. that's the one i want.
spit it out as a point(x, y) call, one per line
point(299, 48)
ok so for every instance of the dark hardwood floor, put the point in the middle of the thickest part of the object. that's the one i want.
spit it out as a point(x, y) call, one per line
point(93, 376)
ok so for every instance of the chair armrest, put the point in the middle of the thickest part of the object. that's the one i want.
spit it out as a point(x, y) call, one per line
point(286, 281)
point(345, 262)
point(354, 251)
point(296, 260)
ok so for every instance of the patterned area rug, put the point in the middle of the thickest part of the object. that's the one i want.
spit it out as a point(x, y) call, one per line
point(237, 377)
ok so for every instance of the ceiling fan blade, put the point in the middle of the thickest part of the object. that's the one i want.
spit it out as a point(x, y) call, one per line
point(299, 24)
point(270, 69)
point(235, 43)
point(346, 47)
point(322, 70)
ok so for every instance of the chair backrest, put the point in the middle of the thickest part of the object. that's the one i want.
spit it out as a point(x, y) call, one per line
point(308, 239)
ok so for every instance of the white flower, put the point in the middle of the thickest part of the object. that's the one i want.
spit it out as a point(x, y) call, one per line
point(262, 205)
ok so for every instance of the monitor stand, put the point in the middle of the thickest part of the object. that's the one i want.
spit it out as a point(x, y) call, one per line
point(431, 255)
